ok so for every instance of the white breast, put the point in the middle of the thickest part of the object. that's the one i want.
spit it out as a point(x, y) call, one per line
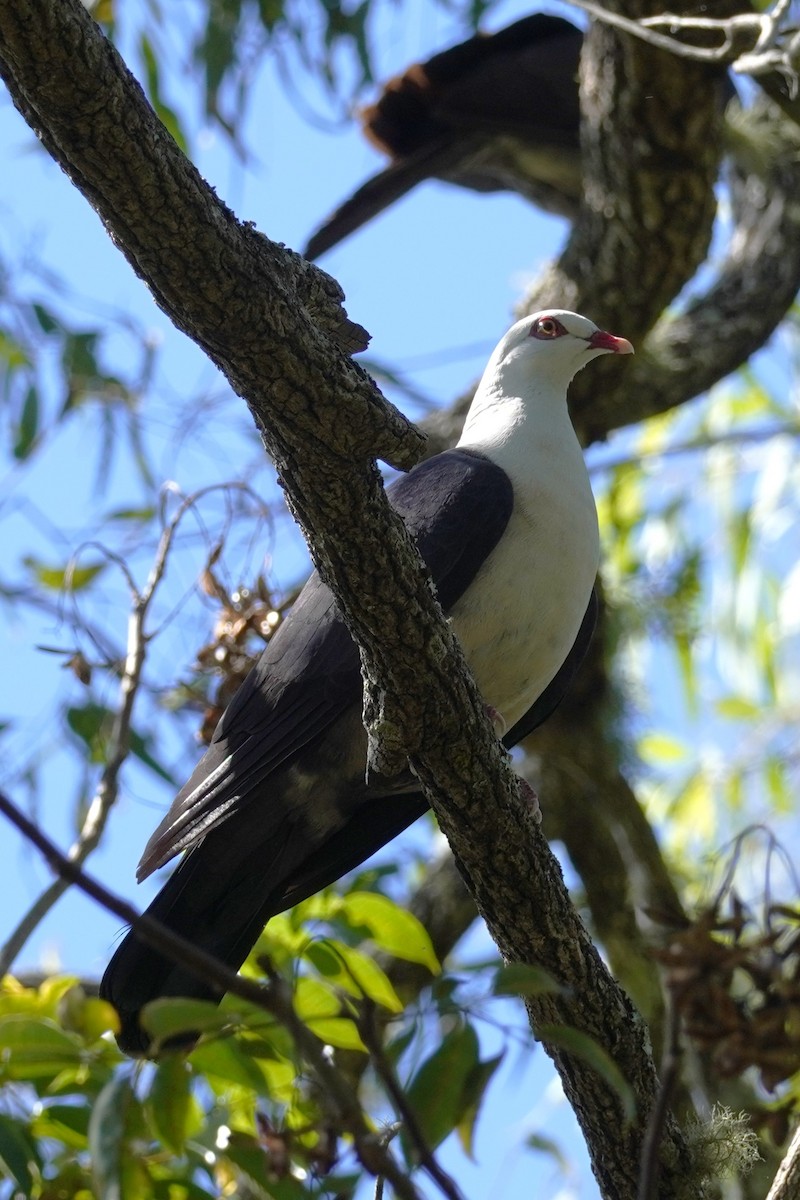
point(519, 618)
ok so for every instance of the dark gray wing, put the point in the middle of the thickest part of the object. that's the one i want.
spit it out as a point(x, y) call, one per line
point(279, 807)
point(456, 505)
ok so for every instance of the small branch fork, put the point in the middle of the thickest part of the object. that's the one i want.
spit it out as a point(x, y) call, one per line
point(370, 1035)
point(772, 43)
point(107, 790)
point(370, 1147)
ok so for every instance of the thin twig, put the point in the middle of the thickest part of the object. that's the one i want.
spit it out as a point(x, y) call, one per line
point(107, 789)
point(370, 1147)
point(386, 1136)
point(763, 28)
point(709, 441)
point(639, 30)
point(108, 786)
point(204, 966)
point(786, 1185)
point(274, 999)
point(385, 1071)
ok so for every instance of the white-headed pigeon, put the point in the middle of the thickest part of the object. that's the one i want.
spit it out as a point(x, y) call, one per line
point(280, 805)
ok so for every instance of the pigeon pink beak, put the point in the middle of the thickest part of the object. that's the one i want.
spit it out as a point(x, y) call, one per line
point(600, 340)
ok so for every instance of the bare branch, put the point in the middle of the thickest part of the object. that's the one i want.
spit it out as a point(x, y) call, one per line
point(107, 790)
point(771, 43)
point(685, 353)
point(150, 930)
point(108, 787)
point(695, 445)
point(639, 29)
point(371, 1148)
point(371, 1036)
point(648, 1181)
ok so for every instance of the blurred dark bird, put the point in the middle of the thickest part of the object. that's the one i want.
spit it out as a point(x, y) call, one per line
point(498, 112)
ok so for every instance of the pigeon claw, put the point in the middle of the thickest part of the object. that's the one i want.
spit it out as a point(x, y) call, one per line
point(528, 796)
point(499, 722)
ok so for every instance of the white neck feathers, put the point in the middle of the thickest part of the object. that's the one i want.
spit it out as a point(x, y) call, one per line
point(519, 423)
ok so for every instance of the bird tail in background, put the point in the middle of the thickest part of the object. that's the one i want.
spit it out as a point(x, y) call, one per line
point(377, 194)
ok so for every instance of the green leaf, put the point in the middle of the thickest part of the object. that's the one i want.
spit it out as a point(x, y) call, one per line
point(738, 709)
point(313, 999)
point(107, 1128)
point(80, 368)
point(33, 1049)
point(166, 114)
point(13, 354)
point(781, 794)
point(437, 1093)
point(522, 979)
point(684, 648)
point(361, 976)
point(546, 1145)
point(67, 1123)
point(85, 1015)
point(397, 1046)
point(660, 749)
point(140, 748)
point(323, 958)
point(132, 514)
point(170, 1017)
point(28, 426)
point(177, 1187)
point(91, 722)
point(69, 577)
point(247, 1155)
point(740, 533)
point(583, 1046)
point(340, 1032)
point(47, 322)
point(19, 1159)
point(695, 806)
point(394, 929)
point(475, 1086)
point(226, 1061)
point(280, 1074)
point(170, 1102)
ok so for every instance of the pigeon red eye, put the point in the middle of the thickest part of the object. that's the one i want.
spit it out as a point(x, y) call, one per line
point(547, 327)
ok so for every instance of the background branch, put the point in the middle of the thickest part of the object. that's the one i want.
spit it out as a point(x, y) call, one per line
point(118, 745)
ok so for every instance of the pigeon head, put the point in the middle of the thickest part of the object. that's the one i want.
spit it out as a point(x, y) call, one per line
point(530, 370)
point(550, 347)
